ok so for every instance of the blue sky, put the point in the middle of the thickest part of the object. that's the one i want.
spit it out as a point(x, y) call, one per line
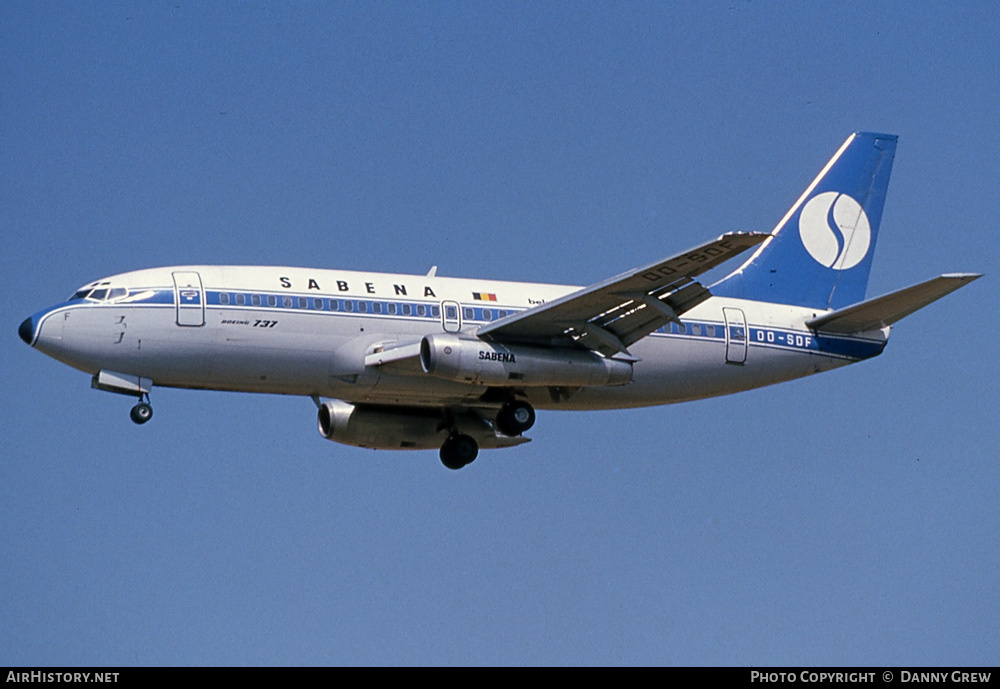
point(848, 518)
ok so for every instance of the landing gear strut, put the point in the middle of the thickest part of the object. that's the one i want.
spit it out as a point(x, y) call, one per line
point(515, 418)
point(142, 412)
point(458, 450)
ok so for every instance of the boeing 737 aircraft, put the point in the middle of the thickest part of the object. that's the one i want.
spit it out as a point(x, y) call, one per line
point(421, 361)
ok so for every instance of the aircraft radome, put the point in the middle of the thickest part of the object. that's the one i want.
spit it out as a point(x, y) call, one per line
point(422, 361)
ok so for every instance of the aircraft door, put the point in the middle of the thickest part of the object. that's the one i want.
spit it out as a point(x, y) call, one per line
point(189, 299)
point(736, 335)
point(451, 316)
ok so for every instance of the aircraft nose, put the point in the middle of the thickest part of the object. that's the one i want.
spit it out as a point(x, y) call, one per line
point(27, 330)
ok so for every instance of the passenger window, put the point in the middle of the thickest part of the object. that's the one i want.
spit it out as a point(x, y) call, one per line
point(390, 309)
point(223, 298)
point(406, 309)
point(450, 312)
point(272, 300)
point(362, 307)
point(303, 303)
point(241, 299)
point(348, 305)
point(710, 330)
point(470, 314)
point(421, 310)
point(377, 307)
point(286, 302)
point(318, 304)
point(255, 299)
point(695, 329)
point(487, 314)
point(435, 311)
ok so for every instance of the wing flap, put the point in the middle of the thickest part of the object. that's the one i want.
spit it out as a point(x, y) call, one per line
point(883, 311)
point(611, 315)
point(634, 318)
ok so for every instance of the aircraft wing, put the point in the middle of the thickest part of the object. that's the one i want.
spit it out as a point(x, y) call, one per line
point(609, 316)
point(392, 352)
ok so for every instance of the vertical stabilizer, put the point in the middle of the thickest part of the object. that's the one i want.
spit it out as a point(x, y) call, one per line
point(820, 253)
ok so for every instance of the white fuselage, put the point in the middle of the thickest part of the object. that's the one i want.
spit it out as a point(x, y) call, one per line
point(300, 331)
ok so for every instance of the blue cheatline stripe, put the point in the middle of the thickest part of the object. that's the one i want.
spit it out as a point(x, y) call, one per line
point(777, 338)
point(282, 301)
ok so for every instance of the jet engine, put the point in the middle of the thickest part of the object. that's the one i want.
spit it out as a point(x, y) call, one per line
point(406, 428)
point(448, 356)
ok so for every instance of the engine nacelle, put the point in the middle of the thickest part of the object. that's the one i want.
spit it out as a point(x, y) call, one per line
point(445, 355)
point(392, 428)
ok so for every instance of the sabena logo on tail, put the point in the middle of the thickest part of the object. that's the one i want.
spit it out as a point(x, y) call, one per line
point(820, 253)
point(835, 230)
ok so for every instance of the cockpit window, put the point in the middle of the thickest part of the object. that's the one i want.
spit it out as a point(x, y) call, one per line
point(99, 291)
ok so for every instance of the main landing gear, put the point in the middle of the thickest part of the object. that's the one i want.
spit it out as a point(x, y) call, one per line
point(459, 450)
point(142, 412)
point(515, 418)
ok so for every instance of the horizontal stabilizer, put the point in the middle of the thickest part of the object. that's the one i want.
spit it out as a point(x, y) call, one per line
point(883, 311)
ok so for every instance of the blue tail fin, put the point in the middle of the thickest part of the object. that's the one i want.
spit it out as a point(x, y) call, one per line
point(820, 253)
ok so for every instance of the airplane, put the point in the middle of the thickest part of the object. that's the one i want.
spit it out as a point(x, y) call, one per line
point(411, 362)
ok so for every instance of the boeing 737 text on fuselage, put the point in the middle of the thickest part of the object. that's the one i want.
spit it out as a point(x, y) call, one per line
point(422, 361)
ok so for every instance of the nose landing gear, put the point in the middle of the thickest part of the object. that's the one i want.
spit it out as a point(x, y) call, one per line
point(142, 412)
